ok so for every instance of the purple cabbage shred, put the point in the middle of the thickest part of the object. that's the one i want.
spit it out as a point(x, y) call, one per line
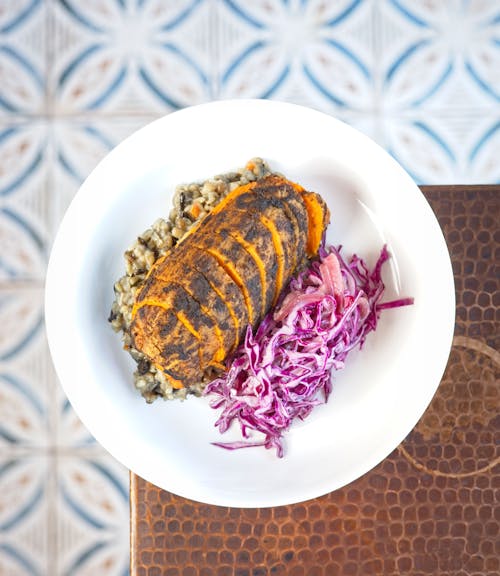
point(284, 370)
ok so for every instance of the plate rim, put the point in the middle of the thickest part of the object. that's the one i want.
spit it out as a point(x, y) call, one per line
point(50, 303)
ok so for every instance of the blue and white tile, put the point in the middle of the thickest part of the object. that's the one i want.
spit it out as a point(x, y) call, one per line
point(24, 200)
point(130, 56)
point(71, 433)
point(452, 150)
point(438, 55)
point(420, 146)
point(483, 152)
point(23, 57)
point(77, 146)
point(93, 516)
point(313, 52)
point(472, 143)
point(25, 500)
point(27, 378)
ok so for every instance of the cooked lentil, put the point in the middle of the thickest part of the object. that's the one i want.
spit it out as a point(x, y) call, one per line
point(191, 203)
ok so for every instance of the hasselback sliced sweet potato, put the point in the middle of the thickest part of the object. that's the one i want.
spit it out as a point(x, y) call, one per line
point(319, 218)
point(211, 303)
point(165, 340)
point(225, 273)
point(249, 231)
point(281, 210)
point(184, 278)
point(194, 317)
point(169, 272)
point(229, 292)
point(282, 246)
point(238, 264)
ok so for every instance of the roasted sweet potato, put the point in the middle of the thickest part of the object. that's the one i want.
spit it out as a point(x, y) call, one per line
point(248, 230)
point(226, 273)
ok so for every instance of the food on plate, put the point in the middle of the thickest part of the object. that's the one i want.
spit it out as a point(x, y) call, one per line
point(236, 296)
point(285, 368)
point(224, 275)
point(191, 203)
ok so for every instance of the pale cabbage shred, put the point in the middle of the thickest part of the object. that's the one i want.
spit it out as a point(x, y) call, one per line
point(285, 369)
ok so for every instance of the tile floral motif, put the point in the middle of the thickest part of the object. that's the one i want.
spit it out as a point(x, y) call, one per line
point(24, 505)
point(26, 373)
point(431, 47)
point(77, 146)
point(71, 432)
point(88, 491)
point(93, 523)
point(23, 200)
point(483, 152)
point(322, 49)
point(454, 150)
point(438, 88)
point(23, 57)
point(130, 55)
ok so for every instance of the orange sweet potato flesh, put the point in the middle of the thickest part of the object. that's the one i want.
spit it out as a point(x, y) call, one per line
point(226, 273)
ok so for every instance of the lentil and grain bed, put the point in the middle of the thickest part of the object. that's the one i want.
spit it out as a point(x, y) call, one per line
point(191, 202)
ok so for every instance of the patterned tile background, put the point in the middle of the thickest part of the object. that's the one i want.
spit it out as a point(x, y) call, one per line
point(422, 77)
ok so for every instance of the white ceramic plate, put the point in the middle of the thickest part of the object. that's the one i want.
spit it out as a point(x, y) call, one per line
point(379, 396)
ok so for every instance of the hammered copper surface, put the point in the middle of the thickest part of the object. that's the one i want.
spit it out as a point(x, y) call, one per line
point(432, 507)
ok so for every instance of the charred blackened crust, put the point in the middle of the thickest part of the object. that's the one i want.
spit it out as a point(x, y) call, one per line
point(227, 272)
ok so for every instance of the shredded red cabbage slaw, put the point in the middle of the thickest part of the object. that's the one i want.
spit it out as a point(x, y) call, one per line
point(285, 369)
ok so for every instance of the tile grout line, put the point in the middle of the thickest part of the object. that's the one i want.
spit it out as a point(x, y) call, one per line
point(213, 40)
point(52, 199)
point(84, 116)
point(377, 73)
point(48, 58)
point(51, 195)
point(52, 515)
point(22, 284)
